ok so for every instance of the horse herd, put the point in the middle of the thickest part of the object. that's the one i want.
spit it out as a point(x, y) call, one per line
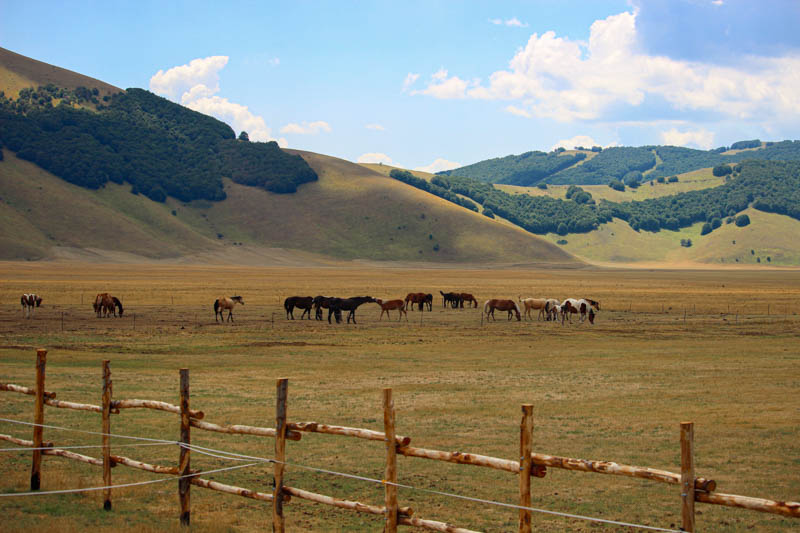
point(549, 309)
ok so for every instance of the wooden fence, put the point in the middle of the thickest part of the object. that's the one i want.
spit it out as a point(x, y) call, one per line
point(692, 489)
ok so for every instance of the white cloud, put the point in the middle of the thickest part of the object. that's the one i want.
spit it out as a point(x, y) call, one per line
point(377, 157)
point(376, 127)
point(700, 138)
point(513, 21)
point(555, 77)
point(411, 78)
point(578, 140)
point(196, 84)
point(307, 128)
point(439, 165)
point(275, 61)
point(496, 22)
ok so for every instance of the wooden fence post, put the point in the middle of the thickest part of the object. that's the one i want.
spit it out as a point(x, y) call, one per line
point(278, 524)
point(687, 475)
point(525, 465)
point(390, 475)
point(38, 419)
point(185, 457)
point(106, 438)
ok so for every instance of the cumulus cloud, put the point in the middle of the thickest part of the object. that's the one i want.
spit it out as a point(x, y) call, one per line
point(700, 138)
point(514, 21)
point(376, 127)
point(377, 157)
point(439, 165)
point(411, 78)
point(307, 128)
point(563, 79)
point(196, 84)
point(578, 140)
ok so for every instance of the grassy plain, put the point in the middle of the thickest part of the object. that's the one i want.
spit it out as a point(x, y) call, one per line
point(715, 347)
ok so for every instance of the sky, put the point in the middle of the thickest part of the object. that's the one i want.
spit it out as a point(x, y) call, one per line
point(434, 85)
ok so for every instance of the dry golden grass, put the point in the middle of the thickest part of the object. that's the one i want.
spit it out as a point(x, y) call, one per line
point(613, 391)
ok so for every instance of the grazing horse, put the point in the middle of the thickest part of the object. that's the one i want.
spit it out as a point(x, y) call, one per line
point(221, 304)
point(452, 298)
point(550, 309)
point(419, 298)
point(104, 303)
point(391, 305)
point(572, 306)
point(320, 303)
point(29, 303)
point(337, 305)
point(301, 302)
point(503, 305)
point(534, 303)
point(467, 297)
point(117, 306)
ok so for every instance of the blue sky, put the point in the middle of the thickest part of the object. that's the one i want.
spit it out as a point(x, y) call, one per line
point(434, 85)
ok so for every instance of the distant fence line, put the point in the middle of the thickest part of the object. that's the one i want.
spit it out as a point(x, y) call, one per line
point(692, 488)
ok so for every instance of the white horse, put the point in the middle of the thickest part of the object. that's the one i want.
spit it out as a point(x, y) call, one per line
point(29, 303)
point(584, 307)
point(550, 309)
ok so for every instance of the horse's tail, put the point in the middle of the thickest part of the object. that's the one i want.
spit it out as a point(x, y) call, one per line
point(216, 307)
point(486, 306)
point(286, 304)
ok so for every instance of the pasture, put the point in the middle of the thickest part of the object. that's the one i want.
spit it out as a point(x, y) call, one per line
point(718, 348)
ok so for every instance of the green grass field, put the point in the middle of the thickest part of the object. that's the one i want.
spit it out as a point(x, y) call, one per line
point(613, 391)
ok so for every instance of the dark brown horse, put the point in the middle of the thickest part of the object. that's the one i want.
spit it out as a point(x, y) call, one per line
point(320, 303)
point(453, 299)
point(420, 299)
point(503, 305)
point(467, 297)
point(392, 305)
point(301, 302)
point(337, 305)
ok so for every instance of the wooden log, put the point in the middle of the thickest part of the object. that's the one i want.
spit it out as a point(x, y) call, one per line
point(61, 404)
point(278, 524)
point(243, 430)
point(525, 437)
point(344, 504)
point(433, 525)
point(360, 433)
point(390, 472)
point(230, 489)
point(106, 424)
point(10, 387)
point(687, 476)
point(471, 459)
point(74, 456)
point(38, 418)
point(23, 442)
point(184, 460)
point(784, 508)
point(608, 467)
point(155, 469)
point(154, 404)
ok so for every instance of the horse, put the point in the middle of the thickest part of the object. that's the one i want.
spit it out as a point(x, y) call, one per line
point(29, 303)
point(572, 306)
point(337, 305)
point(117, 305)
point(467, 297)
point(320, 303)
point(391, 305)
point(105, 303)
point(419, 298)
point(452, 298)
point(503, 305)
point(221, 304)
point(534, 303)
point(301, 302)
point(550, 309)
point(428, 301)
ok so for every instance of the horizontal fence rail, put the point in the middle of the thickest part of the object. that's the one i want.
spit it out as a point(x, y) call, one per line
point(532, 464)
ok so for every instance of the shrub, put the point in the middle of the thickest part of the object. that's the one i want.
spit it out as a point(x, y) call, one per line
point(542, 186)
point(561, 241)
point(617, 185)
point(721, 170)
point(742, 221)
point(672, 179)
point(661, 179)
point(488, 212)
point(715, 223)
point(706, 229)
point(686, 243)
point(562, 229)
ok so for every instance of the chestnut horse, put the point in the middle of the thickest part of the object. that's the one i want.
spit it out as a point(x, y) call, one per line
point(467, 297)
point(419, 298)
point(107, 304)
point(221, 304)
point(391, 305)
point(503, 305)
point(29, 303)
point(301, 302)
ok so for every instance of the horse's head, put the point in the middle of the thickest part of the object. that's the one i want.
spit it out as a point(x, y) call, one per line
point(237, 299)
point(38, 301)
point(594, 303)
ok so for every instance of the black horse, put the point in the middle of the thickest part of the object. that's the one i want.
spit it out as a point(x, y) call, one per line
point(320, 303)
point(301, 302)
point(337, 305)
point(452, 298)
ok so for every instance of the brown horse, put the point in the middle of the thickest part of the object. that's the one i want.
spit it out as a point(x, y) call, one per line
point(221, 304)
point(503, 305)
point(301, 302)
point(534, 303)
point(418, 298)
point(107, 305)
point(391, 305)
point(467, 297)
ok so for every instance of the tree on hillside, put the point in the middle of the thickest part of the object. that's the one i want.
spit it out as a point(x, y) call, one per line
point(742, 221)
point(244, 136)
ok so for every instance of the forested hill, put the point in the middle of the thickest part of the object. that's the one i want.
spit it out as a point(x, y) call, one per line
point(626, 164)
point(160, 148)
point(770, 186)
